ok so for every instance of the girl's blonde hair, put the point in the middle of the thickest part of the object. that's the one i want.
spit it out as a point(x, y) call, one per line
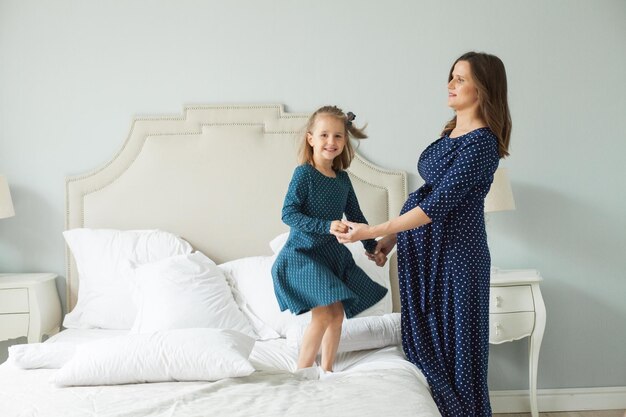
point(489, 76)
point(342, 161)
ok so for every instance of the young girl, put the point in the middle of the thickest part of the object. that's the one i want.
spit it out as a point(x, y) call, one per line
point(314, 271)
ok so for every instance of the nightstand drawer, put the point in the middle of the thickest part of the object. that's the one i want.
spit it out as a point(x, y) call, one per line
point(510, 326)
point(14, 300)
point(13, 325)
point(29, 306)
point(511, 299)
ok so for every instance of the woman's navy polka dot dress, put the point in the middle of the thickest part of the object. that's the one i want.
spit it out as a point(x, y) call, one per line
point(444, 272)
point(313, 269)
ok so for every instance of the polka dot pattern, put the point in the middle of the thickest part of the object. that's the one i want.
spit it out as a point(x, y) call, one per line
point(444, 273)
point(313, 269)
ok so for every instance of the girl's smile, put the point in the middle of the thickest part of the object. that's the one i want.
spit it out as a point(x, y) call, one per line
point(328, 139)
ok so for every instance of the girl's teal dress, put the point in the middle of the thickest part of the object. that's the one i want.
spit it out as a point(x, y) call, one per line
point(313, 269)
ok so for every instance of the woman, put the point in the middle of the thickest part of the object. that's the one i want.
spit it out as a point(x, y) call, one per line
point(443, 258)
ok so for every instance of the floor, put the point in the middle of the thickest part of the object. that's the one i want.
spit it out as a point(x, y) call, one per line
point(603, 413)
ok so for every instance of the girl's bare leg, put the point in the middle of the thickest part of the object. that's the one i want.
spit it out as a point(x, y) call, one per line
point(330, 341)
point(312, 338)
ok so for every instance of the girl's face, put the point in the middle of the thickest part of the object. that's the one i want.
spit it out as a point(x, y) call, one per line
point(462, 92)
point(327, 138)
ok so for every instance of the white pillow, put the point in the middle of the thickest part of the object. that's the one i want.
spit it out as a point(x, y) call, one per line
point(185, 291)
point(254, 289)
point(174, 355)
point(252, 279)
point(41, 355)
point(103, 258)
point(378, 274)
point(359, 333)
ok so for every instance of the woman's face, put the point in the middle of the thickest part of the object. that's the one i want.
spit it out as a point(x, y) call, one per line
point(462, 92)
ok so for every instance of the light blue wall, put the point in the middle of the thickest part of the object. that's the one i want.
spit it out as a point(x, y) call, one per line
point(74, 73)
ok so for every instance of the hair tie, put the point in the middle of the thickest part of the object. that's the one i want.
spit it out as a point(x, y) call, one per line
point(350, 117)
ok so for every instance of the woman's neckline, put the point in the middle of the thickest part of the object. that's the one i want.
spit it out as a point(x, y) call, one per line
point(466, 133)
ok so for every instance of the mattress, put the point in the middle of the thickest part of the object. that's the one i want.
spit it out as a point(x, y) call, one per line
point(376, 382)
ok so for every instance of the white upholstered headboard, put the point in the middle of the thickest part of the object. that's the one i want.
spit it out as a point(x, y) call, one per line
point(216, 176)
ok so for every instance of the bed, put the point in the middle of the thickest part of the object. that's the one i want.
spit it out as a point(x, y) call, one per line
point(215, 177)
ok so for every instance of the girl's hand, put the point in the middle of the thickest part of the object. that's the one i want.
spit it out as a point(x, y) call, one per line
point(356, 231)
point(383, 248)
point(337, 228)
point(386, 244)
point(379, 258)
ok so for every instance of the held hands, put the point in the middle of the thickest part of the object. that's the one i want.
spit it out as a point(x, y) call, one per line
point(383, 247)
point(360, 231)
point(379, 258)
point(337, 228)
point(354, 232)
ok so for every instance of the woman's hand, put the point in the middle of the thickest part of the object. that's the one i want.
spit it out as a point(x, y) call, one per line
point(379, 258)
point(383, 248)
point(386, 244)
point(354, 232)
point(337, 228)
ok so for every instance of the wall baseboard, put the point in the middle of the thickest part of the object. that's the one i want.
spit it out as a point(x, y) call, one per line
point(566, 399)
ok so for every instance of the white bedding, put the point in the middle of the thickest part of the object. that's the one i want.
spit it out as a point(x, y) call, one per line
point(182, 158)
point(365, 383)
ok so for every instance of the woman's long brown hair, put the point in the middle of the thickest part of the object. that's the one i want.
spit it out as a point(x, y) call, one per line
point(489, 76)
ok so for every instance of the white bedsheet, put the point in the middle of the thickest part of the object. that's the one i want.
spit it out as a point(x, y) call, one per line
point(367, 383)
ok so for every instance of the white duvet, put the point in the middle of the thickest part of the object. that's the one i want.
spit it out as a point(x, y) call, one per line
point(366, 383)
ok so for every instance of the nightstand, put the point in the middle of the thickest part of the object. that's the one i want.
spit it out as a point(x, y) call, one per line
point(29, 306)
point(516, 310)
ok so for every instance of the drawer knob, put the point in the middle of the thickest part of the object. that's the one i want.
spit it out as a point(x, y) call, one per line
point(498, 301)
point(498, 328)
